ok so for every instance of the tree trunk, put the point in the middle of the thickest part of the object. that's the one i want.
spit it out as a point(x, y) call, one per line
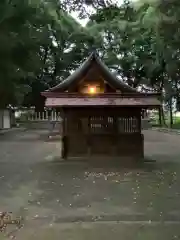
point(163, 117)
point(160, 117)
point(171, 113)
point(12, 118)
point(162, 110)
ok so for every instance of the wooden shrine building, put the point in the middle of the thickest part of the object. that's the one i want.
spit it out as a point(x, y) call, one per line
point(101, 114)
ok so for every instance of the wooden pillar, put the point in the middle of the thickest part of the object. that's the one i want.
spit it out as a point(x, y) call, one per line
point(142, 147)
point(116, 134)
point(139, 120)
point(89, 137)
point(64, 136)
point(141, 139)
point(143, 113)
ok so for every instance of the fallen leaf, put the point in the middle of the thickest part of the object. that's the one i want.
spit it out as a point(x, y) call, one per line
point(12, 237)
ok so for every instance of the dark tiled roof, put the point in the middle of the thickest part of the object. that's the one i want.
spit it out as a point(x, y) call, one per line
point(84, 68)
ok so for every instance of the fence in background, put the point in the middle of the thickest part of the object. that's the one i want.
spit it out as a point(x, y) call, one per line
point(47, 119)
point(40, 120)
point(44, 116)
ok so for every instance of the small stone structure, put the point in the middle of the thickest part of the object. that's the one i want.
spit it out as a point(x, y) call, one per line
point(5, 119)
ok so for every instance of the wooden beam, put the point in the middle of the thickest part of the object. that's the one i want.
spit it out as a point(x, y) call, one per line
point(64, 136)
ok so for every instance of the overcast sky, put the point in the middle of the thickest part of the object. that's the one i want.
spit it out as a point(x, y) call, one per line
point(84, 21)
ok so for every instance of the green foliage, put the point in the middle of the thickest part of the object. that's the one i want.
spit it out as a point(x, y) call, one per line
point(41, 44)
point(140, 34)
point(38, 41)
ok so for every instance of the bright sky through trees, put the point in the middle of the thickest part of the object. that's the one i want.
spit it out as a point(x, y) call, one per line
point(84, 21)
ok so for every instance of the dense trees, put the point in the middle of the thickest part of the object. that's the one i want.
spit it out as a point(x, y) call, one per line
point(41, 44)
point(140, 40)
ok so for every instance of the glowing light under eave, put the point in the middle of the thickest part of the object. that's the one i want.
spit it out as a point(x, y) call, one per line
point(92, 90)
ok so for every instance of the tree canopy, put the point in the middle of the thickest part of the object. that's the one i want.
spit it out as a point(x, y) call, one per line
point(41, 43)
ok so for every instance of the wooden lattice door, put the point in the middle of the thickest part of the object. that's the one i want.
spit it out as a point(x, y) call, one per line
point(90, 134)
point(77, 139)
point(101, 129)
point(103, 133)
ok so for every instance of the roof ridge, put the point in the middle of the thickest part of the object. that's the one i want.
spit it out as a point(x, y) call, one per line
point(83, 69)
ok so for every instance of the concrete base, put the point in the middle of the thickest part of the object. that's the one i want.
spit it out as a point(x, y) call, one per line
point(5, 119)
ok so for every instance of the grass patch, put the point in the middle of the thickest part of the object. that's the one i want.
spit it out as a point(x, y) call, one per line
point(176, 122)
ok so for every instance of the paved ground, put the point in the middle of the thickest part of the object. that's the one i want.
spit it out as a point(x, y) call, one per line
point(74, 200)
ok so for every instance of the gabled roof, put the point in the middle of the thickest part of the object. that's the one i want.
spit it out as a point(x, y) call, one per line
point(75, 77)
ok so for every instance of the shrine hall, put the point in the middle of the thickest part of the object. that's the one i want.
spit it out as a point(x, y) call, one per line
point(101, 114)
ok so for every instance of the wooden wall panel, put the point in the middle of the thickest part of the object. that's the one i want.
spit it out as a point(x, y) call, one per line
point(108, 132)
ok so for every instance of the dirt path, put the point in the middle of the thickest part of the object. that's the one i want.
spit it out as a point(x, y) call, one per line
point(86, 201)
point(164, 147)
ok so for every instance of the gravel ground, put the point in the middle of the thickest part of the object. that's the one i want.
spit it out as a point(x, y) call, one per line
point(78, 200)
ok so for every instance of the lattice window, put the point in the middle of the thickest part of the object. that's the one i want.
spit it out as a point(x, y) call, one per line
point(128, 125)
point(101, 124)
